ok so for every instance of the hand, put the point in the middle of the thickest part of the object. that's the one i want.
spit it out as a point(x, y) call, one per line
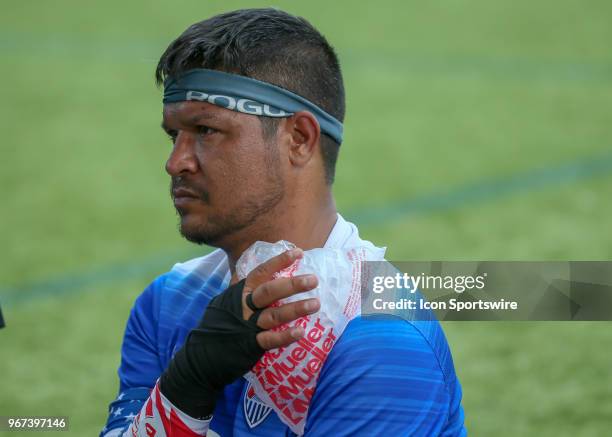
point(231, 337)
point(266, 290)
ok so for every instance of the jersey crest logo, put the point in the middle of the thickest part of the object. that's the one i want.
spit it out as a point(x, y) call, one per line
point(255, 411)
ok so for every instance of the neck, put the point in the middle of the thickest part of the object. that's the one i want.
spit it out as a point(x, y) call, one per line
point(305, 224)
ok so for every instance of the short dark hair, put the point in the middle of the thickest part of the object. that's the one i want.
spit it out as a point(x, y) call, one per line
point(269, 45)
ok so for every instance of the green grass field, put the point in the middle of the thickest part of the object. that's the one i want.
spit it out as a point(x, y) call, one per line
point(443, 98)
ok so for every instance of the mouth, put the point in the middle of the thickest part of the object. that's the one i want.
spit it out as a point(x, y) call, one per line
point(183, 196)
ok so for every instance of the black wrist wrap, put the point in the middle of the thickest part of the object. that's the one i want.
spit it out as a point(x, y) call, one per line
point(218, 351)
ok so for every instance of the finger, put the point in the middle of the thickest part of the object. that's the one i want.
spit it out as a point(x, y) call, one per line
point(279, 288)
point(272, 340)
point(265, 271)
point(273, 317)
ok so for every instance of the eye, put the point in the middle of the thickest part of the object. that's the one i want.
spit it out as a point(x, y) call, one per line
point(205, 130)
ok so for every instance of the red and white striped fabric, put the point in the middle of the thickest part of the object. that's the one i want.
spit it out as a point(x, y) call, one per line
point(159, 418)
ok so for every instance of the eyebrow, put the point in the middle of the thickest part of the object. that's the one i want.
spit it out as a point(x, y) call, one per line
point(193, 120)
point(202, 116)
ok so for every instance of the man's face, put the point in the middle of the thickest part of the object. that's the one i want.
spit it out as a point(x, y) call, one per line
point(224, 174)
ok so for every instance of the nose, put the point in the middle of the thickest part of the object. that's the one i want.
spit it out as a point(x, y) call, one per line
point(182, 159)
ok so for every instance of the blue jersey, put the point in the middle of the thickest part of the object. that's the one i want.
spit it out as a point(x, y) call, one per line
point(384, 376)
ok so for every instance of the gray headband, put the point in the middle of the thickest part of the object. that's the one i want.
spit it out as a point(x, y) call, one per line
point(243, 94)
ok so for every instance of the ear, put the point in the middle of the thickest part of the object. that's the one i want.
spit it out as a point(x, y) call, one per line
point(305, 133)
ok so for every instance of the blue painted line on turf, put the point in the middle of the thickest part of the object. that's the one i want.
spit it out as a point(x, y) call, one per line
point(487, 190)
point(476, 193)
point(114, 272)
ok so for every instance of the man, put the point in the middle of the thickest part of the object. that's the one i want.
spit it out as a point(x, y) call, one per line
point(253, 104)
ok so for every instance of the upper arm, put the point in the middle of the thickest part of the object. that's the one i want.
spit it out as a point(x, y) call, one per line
point(140, 364)
point(381, 378)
